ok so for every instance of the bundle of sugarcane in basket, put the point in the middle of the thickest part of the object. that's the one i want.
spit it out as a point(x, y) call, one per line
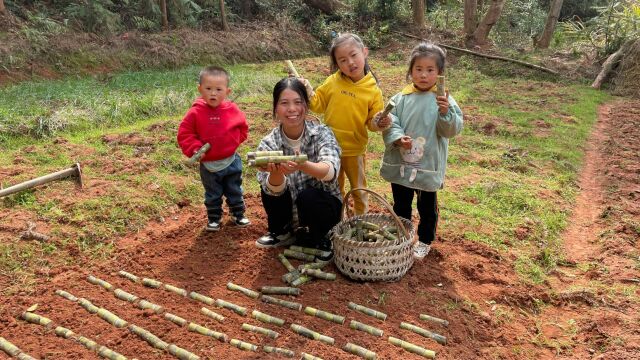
point(371, 246)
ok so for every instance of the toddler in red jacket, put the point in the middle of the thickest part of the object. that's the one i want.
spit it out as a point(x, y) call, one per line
point(215, 120)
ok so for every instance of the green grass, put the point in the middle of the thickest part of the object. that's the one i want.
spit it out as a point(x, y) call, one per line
point(522, 176)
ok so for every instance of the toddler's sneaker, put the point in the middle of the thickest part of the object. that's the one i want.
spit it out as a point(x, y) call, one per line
point(241, 221)
point(421, 250)
point(325, 246)
point(213, 226)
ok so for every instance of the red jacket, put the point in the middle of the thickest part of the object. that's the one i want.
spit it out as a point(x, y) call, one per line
point(223, 127)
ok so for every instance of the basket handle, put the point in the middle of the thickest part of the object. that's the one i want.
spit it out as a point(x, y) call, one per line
point(345, 208)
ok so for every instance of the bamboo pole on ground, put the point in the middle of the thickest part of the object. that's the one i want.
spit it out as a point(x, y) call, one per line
point(199, 297)
point(265, 318)
point(212, 314)
point(231, 306)
point(306, 356)
point(66, 295)
point(356, 325)
point(111, 318)
point(144, 305)
point(280, 290)
point(95, 281)
point(367, 311)
point(36, 319)
point(426, 333)
point(123, 295)
point(412, 348)
point(302, 279)
point(283, 259)
point(193, 327)
point(288, 304)
point(129, 276)
point(9, 348)
point(316, 273)
point(360, 351)
point(175, 319)
point(177, 290)
point(151, 283)
point(145, 335)
point(308, 333)
point(243, 345)
point(276, 350)
point(260, 330)
point(181, 353)
point(250, 293)
point(73, 171)
point(434, 319)
point(298, 255)
point(324, 315)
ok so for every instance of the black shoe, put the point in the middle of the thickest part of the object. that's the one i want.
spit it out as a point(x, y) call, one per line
point(325, 246)
point(272, 240)
point(241, 221)
point(213, 226)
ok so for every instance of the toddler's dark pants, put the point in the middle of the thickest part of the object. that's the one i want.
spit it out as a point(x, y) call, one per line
point(227, 182)
point(427, 209)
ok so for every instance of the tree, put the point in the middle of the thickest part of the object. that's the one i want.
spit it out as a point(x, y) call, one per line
point(470, 14)
point(554, 11)
point(165, 18)
point(223, 16)
point(3, 10)
point(481, 34)
point(418, 13)
point(326, 6)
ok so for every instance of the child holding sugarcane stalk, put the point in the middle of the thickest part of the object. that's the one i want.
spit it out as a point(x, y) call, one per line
point(218, 122)
point(417, 142)
point(351, 102)
point(299, 193)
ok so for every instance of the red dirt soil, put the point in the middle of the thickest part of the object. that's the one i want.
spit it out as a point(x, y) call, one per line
point(492, 315)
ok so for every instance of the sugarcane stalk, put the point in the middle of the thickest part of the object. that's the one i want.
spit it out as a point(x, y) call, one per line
point(176, 290)
point(193, 327)
point(314, 265)
point(151, 283)
point(324, 315)
point(212, 314)
point(386, 111)
point(175, 319)
point(265, 318)
point(359, 230)
point(153, 340)
point(88, 305)
point(243, 345)
point(199, 297)
point(255, 154)
point(111, 318)
point(264, 160)
point(298, 255)
point(231, 306)
point(316, 273)
point(123, 295)
point(367, 311)
point(440, 85)
point(35, 319)
point(129, 276)
point(360, 351)
point(24, 356)
point(199, 154)
point(250, 293)
point(63, 332)
point(292, 70)
point(288, 304)
point(286, 263)
point(107, 353)
point(426, 333)
point(8, 347)
point(308, 333)
point(373, 237)
point(260, 330)
point(144, 304)
point(277, 350)
point(280, 290)
point(290, 276)
point(310, 251)
point(434, 319)
point(88, 343)
point(302, 279)
point(66, 295)
point(181, 353)
point(95, 281)
point(306, 356)
point(356, 325)
point(413, 348)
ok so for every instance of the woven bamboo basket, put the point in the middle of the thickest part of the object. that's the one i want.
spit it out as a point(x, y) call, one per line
point(382, 260)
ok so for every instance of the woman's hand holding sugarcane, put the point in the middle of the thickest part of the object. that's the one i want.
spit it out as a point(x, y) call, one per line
point(277, 172)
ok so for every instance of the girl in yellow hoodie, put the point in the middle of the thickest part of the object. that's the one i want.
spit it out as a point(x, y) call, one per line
point(350, 100)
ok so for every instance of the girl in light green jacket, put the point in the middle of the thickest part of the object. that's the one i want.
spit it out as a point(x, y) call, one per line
point(416, 144)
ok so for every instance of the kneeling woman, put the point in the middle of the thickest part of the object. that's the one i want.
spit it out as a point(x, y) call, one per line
point(303, 194)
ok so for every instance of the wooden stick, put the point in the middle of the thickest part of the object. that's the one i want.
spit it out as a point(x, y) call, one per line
point(537, 67)
point(31, 234)
point(73, 171)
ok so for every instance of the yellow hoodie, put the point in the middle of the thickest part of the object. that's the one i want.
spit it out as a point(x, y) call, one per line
point(348, 108)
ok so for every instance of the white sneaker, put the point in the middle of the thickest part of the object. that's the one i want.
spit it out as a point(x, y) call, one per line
point(421, 250)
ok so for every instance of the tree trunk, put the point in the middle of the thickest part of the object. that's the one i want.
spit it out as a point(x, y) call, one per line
point(165, 18)
point(3, 10)
point(223, 16)
point(470, 14)
point(552, 19)
point(610, 63)
point(481, 35)
point(329, 7)
point(418, 13)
